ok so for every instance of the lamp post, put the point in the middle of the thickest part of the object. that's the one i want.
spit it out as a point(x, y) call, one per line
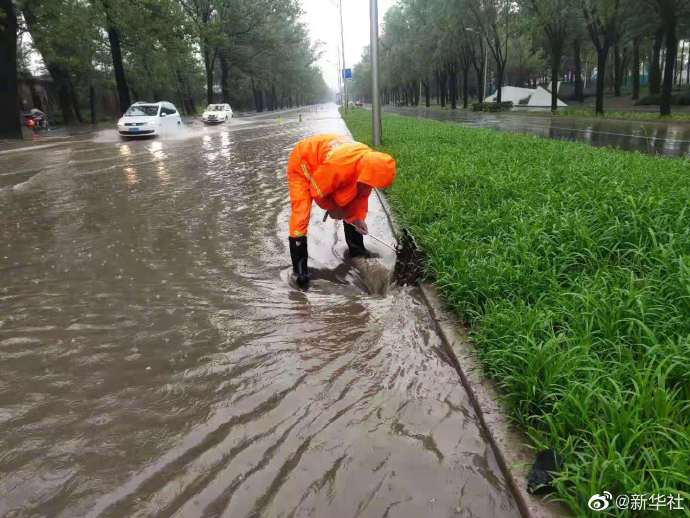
point(486, 62)
point(342, 45)
point(374, 51)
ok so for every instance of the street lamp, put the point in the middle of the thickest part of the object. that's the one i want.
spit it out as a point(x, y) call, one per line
point(374, 52)
point(342, 44)
point(486, 62)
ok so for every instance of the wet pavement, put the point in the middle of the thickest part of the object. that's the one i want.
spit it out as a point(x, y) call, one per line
point(656, 138)
point(157, 361)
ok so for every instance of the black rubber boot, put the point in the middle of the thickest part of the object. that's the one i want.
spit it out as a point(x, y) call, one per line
point(355, 241)
point(299, 256)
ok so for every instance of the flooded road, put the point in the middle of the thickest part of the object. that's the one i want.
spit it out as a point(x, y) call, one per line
point(155, 360)
point(655, 138)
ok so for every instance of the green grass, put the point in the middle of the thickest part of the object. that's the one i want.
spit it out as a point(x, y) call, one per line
point(572, 266)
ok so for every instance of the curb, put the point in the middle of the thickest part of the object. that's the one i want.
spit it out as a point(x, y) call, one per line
point(508, 444)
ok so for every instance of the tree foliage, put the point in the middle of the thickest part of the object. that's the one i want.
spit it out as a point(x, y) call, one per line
point(443, 47)
point(251, 53)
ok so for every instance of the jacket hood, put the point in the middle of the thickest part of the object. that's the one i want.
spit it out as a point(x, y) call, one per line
point(376, 170)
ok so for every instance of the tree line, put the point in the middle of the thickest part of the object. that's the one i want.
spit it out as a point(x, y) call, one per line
point(249, 53)
point(440, 46)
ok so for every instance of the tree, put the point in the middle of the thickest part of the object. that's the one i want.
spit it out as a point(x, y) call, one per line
point(114, 38)
point(553, 18)
point(603, 19)
point(669, 11)
point(43, 21)
point(10, 121)
point(493, 17)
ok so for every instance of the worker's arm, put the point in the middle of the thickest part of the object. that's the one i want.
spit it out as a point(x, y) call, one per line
point(357, 209)
point(300, 196)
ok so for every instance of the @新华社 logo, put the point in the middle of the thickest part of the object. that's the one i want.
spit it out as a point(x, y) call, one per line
point(600, 502)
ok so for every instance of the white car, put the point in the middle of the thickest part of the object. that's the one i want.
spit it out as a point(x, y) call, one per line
point(149, 119)
point(216, 114)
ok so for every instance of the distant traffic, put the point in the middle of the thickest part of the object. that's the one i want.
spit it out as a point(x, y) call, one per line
point(145, 119)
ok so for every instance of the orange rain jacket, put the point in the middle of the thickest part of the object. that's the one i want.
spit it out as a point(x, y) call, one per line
point(326, 169)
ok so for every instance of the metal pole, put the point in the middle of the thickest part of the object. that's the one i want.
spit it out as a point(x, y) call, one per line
point(374, 51)
point(342, 45)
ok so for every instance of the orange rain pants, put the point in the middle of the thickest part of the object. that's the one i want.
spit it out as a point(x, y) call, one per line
point(326, 169)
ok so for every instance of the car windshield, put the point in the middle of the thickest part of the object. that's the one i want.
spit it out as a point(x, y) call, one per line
point(215, 108)
point(140, 110)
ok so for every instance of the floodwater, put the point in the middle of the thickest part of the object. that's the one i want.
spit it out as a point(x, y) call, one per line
point(655, 138)
point(157, 361)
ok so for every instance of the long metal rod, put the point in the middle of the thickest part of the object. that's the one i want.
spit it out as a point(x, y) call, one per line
point(342, 45)
point(381, 241)
point(325, 217)
point(374, 51)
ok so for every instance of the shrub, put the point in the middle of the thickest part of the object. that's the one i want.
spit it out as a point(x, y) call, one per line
point(493, 107)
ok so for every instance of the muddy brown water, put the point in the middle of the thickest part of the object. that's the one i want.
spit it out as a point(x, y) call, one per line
point(156, 361)
point(654, 138)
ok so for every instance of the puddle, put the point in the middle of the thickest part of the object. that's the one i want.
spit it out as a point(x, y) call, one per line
point(158, 361)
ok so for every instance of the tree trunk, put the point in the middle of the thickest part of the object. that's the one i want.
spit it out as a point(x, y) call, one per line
point(208, 67)
point(556, 54)
point(75, 103)
point(465, 86)
point(499, 82)
point(602, 55)
point(427, 96)
point(679, 65)
point(92, 103)
point(617, 70)
point(579, 87)
point(481, 94)
point(116, 54)
point(10, 121)
point(183, 89)
point(255, 94)
point(655, 65)
point(453, 83)
point(441, 86)
point(636, 68)
point(671, 54)
point(224, 76)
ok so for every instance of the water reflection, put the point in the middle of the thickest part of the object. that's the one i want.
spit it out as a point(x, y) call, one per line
point(131, 175)
point(662, 138)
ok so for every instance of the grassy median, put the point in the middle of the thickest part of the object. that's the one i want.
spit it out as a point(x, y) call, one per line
point(572, 266)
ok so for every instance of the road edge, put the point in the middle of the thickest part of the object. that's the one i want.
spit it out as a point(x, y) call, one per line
point(508, 444)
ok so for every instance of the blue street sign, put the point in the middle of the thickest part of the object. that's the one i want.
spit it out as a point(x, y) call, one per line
point(347, 73)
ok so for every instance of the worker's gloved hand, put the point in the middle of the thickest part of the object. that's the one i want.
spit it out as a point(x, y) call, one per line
point(361, 226)
point(299, 255)
point(355, 241)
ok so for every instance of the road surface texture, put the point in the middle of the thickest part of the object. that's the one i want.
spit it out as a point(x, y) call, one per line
point(157, 361)
point(655, 138)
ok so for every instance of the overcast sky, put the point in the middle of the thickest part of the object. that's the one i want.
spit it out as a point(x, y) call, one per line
point(321, 17)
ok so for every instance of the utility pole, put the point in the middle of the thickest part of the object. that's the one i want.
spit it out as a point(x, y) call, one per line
point(342, 45)
point(374, 51)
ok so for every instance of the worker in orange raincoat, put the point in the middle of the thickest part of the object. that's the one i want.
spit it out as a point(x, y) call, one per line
point(338, 174)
